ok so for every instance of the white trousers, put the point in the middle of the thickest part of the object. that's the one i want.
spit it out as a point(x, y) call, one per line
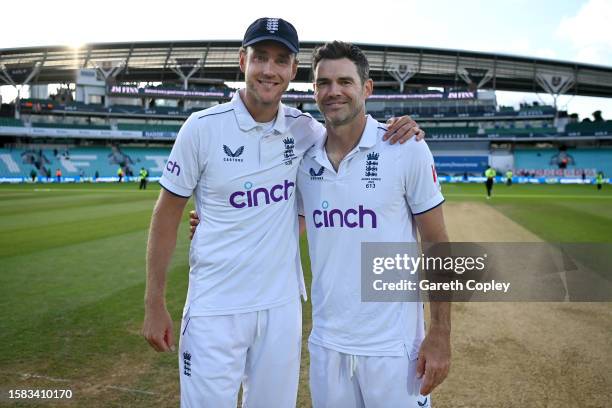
point(339, 380)
point(260, 349)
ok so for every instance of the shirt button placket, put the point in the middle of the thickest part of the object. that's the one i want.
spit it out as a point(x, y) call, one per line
point(260, 145)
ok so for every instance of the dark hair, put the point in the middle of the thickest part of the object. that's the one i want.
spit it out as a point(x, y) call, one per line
point(339, 50)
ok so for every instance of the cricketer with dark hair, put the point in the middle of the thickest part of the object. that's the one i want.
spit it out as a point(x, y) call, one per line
point(366, 354)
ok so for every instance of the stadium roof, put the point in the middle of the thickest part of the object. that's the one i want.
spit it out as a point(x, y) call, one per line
point(212, 61)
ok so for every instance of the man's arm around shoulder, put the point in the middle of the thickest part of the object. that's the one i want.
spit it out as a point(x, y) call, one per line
point(157, 328)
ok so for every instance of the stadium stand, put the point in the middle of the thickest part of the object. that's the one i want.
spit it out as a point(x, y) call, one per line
point(65, 125)
point(549, 162)
point(81, 161)
point(10, 122)
point(148, 127)
point(536, 110)
point(451, 132)
point(590, 129)
point(517, 131)
point(452, 159)
point(466, 128)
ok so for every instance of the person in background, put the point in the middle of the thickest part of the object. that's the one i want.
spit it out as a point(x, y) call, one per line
point(120, 173)
point(490, 174)
point(509, 178)
point(58, 175)
point(143, 178)
point(599, 180)
point(33, 175)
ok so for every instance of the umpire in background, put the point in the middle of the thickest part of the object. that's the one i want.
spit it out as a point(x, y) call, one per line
point(490, 174)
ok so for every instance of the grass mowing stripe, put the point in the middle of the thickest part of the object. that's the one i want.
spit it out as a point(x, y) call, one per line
point(61, 216)
point(4, 196)
point(129, 190)
point(66, 277)
point(552, 196)
point(87, 311)
point(86, 339)
point(528, 189)
point(31, 240)
point(77, 337)
point(49, 203)
point(594, 208)
point(557, 223)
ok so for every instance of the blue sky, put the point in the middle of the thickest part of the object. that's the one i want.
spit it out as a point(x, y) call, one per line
point(566, 30)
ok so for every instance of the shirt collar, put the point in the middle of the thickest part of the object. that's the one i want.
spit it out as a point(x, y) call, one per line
point(246, 121)
point(369, 137)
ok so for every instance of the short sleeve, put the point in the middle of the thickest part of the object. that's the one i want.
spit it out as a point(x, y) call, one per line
point(186, 161)
point(421, 184)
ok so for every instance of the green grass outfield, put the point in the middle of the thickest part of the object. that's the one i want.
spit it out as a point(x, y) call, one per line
point(72, 282)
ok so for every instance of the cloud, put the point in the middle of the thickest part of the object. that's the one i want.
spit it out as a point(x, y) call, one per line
point(589, 32)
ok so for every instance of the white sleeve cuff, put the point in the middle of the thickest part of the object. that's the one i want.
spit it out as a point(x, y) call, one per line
point(430, 204)
point(174, 189)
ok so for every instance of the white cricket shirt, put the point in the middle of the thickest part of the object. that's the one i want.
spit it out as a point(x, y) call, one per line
point(244, 255)
point(372, 198)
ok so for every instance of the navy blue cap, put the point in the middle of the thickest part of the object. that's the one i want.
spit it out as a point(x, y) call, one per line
point(272, 29)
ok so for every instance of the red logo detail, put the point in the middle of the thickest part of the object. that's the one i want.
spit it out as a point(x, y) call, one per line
point(433, 173)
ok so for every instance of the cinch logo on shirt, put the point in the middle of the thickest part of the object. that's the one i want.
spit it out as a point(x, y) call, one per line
point(253, 198)
point(351, 218)
point(171, 166)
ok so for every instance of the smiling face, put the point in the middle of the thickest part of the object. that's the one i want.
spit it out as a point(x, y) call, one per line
point(268, 68)
point(339, 92)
